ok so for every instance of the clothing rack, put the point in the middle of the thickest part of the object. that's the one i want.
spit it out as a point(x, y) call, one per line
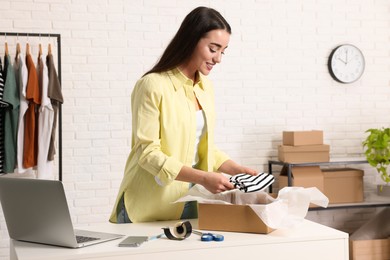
point(58, 40)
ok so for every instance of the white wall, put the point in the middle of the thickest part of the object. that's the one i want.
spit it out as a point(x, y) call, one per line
point(273, 77)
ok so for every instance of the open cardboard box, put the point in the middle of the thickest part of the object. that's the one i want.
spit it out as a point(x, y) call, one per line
point(256, 212)
point(236, 218)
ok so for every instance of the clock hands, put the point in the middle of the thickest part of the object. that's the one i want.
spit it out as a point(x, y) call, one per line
point(342, 60)
point(346, 58)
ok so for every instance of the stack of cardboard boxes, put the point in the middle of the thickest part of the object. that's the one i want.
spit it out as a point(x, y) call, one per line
point(341, 185)
point(303, 147)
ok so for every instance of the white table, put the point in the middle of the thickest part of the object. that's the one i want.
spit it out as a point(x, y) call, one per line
point(307, 241)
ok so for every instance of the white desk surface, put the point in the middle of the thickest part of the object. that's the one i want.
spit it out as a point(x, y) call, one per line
point(307, 241)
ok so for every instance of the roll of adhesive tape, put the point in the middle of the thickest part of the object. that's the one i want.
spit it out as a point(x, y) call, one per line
point(181, 231)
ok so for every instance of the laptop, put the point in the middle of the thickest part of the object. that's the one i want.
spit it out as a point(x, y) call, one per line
point(37, 211)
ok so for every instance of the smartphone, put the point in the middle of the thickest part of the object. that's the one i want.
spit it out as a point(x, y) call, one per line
point(133, 241)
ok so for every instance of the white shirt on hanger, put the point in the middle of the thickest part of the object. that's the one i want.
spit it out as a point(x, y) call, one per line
point(45, 126)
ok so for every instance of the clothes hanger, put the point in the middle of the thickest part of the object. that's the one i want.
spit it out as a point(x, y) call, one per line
point(6, 48)
point(49, 47)
point(17, 50)
point(40, 47)
point(17, 47)
point(40, 50)
point(27, 47)
point(6, 45)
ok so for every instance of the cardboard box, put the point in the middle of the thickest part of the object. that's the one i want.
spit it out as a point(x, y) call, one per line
point(374, 249)
point(303, 176)
point(344, 185)
point(230, 217)
point(372, 239)
point(297, 138)
point(255, 212)
point(304, 154)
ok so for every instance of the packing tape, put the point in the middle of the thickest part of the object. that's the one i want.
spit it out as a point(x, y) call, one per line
point(181, 231)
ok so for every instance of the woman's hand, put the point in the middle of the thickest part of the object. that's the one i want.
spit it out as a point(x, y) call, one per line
point(248, 171)
point(233, 168)
point(216, 182)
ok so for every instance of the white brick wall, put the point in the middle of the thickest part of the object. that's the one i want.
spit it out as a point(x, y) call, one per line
point(273, 77)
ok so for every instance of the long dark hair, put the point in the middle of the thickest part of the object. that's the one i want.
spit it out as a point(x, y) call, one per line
point(195, 25)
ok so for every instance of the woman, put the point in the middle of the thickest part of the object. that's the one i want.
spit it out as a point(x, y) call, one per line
point(173, 126)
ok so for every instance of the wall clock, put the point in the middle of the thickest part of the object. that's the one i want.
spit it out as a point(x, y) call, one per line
point(346, 63)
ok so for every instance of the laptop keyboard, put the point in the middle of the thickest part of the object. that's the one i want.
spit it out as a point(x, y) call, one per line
point(83, 239)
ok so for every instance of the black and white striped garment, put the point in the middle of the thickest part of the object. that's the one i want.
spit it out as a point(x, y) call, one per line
point(3, 106)
point(249, 183)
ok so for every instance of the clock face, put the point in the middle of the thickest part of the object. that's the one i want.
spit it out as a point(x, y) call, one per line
point(346, 63)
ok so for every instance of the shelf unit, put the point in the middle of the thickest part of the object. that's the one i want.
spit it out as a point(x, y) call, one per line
point(289, 166)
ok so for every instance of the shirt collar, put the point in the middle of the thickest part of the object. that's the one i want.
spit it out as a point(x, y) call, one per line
point(179, 79)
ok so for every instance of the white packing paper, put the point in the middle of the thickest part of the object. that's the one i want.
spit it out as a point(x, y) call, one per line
point(286, 211)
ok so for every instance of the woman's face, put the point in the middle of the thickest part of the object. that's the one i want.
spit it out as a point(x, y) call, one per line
point(208, 52)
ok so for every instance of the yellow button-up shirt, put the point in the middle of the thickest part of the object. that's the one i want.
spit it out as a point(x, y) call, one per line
point(163, 141)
